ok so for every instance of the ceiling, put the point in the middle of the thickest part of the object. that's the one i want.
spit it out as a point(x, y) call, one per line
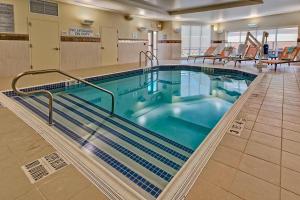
point(205, 11)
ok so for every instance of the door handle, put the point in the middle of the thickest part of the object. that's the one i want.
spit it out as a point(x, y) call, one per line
point(56, 49)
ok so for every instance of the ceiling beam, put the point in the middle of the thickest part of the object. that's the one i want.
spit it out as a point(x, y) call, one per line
point(219, 6)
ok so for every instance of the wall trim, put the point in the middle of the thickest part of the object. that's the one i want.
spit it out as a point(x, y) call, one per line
point(169, 41)
point(131, 39)
point(14, 36)
point(79, 39)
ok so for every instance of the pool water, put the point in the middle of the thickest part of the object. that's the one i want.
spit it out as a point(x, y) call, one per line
point(161, 117)
point(181, 105)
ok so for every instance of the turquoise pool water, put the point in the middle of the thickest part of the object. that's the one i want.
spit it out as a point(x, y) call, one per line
point(180, 105)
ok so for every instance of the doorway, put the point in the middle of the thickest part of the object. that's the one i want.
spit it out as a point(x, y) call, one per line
point(109, 45)
point(44, 44)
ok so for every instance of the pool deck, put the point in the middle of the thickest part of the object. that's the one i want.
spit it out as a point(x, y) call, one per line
point(263, 163)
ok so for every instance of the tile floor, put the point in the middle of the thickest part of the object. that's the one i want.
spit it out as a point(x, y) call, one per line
point(20, 144)
point(262, 163)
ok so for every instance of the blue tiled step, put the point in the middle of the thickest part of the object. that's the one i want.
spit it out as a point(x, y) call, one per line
point(139, 150)
point(133, 131)
point(180, 148)
point(124, 137)
point(153, 173)
point(135, 177)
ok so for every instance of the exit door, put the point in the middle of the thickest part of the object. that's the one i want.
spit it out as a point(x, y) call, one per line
point(109, 45)
point(44, 43)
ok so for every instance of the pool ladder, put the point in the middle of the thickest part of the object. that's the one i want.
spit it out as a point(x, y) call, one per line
point(49, 94)
point(147, 57)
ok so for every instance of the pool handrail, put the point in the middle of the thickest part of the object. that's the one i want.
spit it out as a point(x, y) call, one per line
point(147, 56)
point(49, 94)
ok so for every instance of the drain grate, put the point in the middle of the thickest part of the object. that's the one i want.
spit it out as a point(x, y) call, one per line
point(237, 126)
point(43, 167)
point(55, 161)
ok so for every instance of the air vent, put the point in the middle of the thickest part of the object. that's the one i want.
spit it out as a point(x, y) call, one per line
point(6, 17)
point(44, 7)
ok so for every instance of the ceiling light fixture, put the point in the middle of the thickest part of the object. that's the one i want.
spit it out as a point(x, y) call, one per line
point(142, 29)
point(215, 27)
point(252, 25)
point(141, 12)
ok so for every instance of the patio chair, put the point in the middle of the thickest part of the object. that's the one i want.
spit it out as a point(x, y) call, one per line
point(209, 52)
point(250, 55)
point(224, 55)
point(288, 56)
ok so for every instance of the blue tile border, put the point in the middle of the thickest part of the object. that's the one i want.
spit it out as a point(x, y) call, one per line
point(110, 77)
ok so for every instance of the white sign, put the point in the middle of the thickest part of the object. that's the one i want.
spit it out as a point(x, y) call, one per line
point(134, 35)
point(80, 32)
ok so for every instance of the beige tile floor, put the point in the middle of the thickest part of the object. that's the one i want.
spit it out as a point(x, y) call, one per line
point(20, 144)
point(262, 163)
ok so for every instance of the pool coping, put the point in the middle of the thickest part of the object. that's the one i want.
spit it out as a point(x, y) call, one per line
point(111, 185)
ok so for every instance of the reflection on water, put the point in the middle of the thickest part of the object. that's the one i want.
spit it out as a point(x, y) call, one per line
point(180, 105)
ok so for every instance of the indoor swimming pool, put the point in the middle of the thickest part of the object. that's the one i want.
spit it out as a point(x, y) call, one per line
point(161, 117)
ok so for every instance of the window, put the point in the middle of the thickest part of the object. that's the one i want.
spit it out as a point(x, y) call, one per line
point(6, 18)
point(287, 37)
point(234, 38)
point(278, 37)
point(195, 39)
point(185, 41)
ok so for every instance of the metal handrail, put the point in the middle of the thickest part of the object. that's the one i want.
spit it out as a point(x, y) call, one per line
point(151, 53)
point(147, 56)
point(49, 94)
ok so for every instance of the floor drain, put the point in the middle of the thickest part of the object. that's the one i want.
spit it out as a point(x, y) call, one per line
point(44, 167)
point(237, 126)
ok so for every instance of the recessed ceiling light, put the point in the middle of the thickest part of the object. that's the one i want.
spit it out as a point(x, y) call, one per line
point(141, 12)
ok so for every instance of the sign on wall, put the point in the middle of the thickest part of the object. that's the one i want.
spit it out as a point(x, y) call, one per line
point(6, 18)
point(135, 35)
point(81, 32)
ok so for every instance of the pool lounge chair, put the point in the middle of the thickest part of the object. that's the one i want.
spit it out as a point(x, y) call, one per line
point(209, 52)
point(238, 55)
point(250, 55)
point(224, 55)
point(288, 56)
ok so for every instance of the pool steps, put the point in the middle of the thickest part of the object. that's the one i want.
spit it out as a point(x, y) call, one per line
point(133, 152)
